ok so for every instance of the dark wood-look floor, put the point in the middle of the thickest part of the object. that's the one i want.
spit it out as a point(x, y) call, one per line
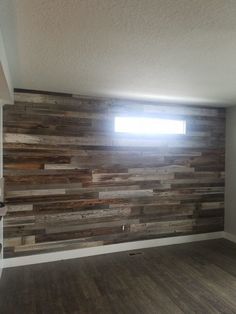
point(187, 278)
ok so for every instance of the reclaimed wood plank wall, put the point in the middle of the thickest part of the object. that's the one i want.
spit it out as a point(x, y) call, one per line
point(72, 182)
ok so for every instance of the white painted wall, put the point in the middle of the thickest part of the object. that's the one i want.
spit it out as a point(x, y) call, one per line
point(230, 188)
point(1, 189)
point(6, 97)
point(6, 89)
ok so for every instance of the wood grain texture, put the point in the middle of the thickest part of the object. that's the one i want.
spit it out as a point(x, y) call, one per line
point(187, 278)
point(71, 181)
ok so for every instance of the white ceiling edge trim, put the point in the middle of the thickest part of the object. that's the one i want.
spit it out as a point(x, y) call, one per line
point(6, 88)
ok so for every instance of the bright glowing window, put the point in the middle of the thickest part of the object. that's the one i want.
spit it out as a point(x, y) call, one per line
point(137, 125)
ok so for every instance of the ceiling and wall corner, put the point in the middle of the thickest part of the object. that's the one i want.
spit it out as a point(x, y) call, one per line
point(154, 49)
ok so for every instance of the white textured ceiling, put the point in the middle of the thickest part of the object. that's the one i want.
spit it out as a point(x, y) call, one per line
point(160, 49)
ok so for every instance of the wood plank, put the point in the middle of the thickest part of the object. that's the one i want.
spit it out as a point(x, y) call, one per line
point(71, 181)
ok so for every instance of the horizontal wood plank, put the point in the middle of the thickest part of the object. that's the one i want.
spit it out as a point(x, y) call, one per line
point(71, 181)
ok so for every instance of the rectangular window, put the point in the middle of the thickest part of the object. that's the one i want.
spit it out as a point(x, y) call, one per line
point(136, 125)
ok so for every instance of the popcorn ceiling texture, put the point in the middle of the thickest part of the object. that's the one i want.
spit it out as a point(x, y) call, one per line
point(127, 48)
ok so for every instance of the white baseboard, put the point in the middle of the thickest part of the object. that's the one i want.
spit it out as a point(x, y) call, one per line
point(230, 236)
point(106, 249)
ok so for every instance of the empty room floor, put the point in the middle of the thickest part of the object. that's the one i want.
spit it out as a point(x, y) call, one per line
point(187, 278)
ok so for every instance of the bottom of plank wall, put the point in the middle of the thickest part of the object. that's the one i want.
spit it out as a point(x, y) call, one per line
point(106, 249)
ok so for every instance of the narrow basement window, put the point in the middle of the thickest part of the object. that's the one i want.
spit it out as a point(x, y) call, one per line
point(137, 125)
